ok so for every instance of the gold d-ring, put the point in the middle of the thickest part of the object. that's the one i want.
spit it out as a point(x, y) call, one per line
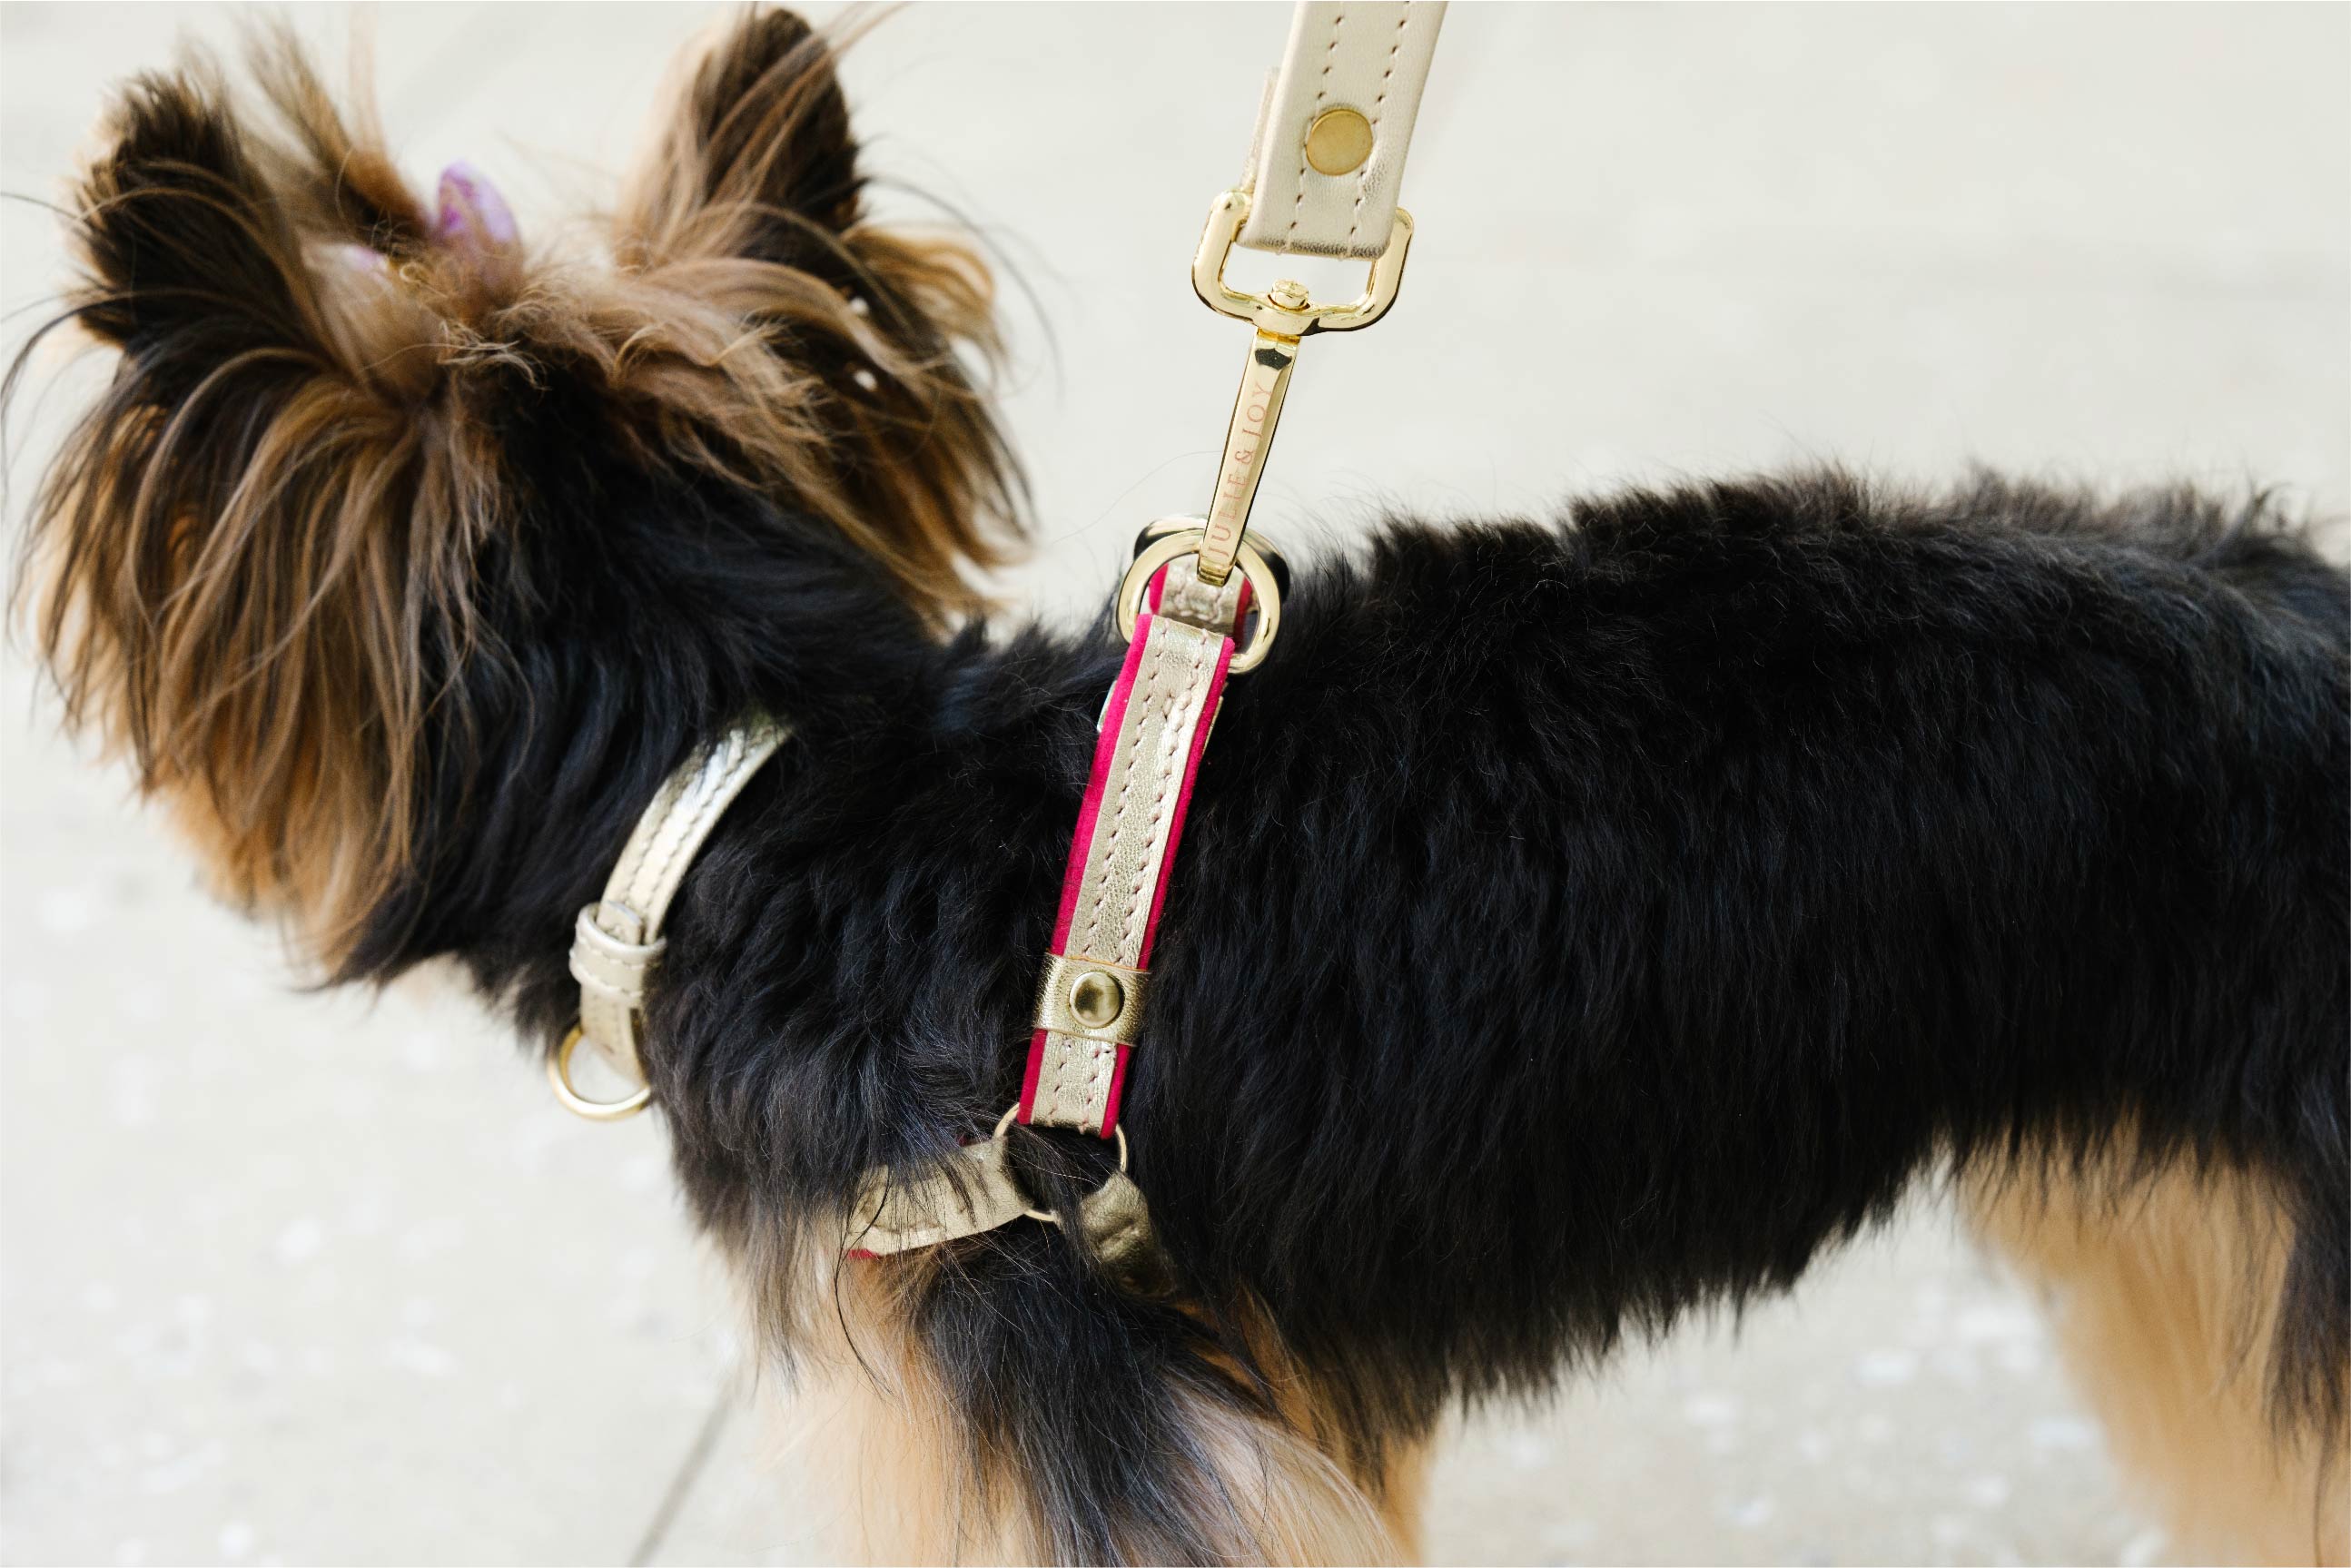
point(558, 1074)
point(1046, 1215)
point(1176, 545)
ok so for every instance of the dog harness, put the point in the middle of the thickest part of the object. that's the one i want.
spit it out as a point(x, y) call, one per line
point(1201, 603)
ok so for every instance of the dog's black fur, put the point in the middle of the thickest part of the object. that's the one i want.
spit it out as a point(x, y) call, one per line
point(1579, 923)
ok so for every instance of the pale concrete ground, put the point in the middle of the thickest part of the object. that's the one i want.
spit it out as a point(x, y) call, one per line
point(302, 1278)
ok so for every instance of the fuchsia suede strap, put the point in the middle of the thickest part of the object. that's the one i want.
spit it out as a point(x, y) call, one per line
point(1153, 731)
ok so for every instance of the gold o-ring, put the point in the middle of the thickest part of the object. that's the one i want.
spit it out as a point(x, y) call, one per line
point(1046, 1215)
point(558, 1074)
point(1175, 547)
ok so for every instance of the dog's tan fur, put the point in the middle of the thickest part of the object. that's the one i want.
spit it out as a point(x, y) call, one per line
point(243, 570)
point(877, 1431)
point(2163, 1290)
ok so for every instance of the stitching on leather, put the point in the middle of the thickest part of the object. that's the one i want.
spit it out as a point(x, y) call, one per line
point(1321, 91)
point(683, 831)
point(1211, 609)
point(1379, 104)
point(711, 790)
point(646, 836)
point(637, 958)
point(1154, 661)
point(1072, 1081)
point(653, 869)
point(1056, 1090)
point(618, 954)
point(619, 977)
point(1097, 1088)
point(680, 815)
point(1075, 1086)
point(1175, 742)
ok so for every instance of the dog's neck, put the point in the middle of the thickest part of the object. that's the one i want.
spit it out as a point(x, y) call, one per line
point(524, 810)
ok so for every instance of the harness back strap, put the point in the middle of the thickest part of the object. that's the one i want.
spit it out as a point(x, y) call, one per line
point(1090, 1005)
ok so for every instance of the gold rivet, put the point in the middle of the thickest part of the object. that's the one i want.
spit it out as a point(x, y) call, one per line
point(1096, 999)
point(1337, 142)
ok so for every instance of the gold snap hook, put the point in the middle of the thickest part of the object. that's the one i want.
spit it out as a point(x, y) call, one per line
point(1283, 316)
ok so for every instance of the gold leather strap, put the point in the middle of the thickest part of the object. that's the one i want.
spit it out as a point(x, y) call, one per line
point(1324, 180)
point(1167, 704)
point(617, 941)
point(972, 1193)
point(1329, 157)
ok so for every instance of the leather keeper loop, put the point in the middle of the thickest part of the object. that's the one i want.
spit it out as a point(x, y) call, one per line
point(615, 968)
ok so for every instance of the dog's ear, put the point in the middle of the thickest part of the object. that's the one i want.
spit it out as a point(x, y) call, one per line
point(193, 236)
point(754, 200)
point(177, 238)
point(244, 548)
point(759, 145)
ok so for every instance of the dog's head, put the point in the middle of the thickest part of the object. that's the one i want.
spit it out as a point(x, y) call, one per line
point(360, 444)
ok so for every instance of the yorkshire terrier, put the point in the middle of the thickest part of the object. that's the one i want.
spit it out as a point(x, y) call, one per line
point(1582, 922)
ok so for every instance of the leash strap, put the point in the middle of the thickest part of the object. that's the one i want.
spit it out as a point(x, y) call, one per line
point(616, 941)
point(1323, 177)
point(1201, 601)
point(1327, 161)
point(1090, 1005)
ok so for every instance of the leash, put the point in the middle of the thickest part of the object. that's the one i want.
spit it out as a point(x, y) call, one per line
point(1200, 603)
point(1324, 169)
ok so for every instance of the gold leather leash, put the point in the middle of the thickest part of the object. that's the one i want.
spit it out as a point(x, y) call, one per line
point(1323, 180)
point(1324, 171)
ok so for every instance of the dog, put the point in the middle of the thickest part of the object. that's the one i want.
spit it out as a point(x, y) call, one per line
point(1582, 922)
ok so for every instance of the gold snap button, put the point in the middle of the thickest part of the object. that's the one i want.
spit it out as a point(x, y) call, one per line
point(1096, 999)
point(1337, 142)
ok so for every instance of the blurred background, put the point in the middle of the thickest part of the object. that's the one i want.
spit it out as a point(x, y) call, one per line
point(296, 1277)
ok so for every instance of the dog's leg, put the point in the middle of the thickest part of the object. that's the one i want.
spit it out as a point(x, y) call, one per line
point(2164, 1292)
point(886, 1444)
point(881, 1441)
point(879, 1444)
point(1404, 1497)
